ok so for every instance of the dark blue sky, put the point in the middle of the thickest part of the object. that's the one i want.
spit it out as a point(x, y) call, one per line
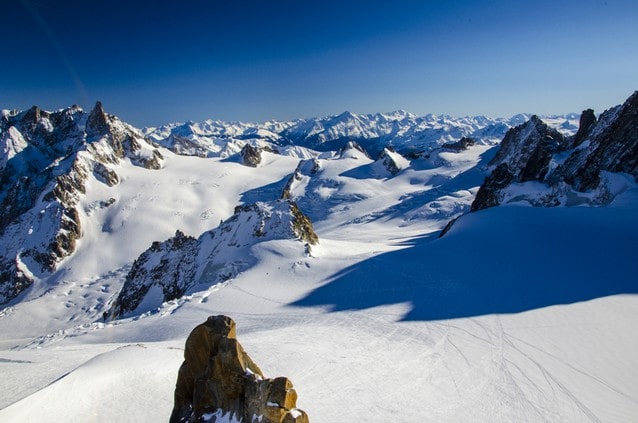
point(154, 62)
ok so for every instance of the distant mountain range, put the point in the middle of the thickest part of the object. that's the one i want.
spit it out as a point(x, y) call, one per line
point(405, 132)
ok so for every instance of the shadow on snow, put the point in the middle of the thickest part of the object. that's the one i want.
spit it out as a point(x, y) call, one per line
point(506, 259)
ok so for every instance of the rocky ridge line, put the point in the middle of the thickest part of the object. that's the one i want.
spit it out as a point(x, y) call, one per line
point(572, 170)
point(168, 269)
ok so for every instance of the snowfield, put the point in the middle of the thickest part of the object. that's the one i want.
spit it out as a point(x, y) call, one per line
point(517, 314)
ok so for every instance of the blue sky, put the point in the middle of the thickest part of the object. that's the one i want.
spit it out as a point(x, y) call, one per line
point(163, 61)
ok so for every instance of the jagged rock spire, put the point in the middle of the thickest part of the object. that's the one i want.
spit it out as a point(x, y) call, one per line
point(97, 123)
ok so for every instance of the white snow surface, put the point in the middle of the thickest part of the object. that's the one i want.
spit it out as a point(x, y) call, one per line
point(517, 314)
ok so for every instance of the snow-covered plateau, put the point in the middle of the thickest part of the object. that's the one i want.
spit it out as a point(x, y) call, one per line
point(321, 239)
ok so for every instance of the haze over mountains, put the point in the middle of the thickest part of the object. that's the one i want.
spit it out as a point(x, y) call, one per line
point(320, 237)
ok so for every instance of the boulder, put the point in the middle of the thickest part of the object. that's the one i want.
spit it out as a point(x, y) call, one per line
point(218, 378)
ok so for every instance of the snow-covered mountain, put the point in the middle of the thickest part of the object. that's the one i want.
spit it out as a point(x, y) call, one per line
point(49, 161)
point(403, 131)
point(320, 237)
point(168, 270)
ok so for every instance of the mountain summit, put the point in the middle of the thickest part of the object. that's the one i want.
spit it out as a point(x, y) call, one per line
point(573, 170)
point(49, 159)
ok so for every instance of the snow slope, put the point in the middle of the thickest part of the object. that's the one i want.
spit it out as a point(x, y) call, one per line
point(517, 314)
point(384, 353)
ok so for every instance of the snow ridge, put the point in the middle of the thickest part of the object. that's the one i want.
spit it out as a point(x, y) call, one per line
point(169, 269)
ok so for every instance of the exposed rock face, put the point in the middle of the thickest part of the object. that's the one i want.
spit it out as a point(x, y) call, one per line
point(13, 278)
point(488, 193)
point(251, 156)
point(154, 161)
point(168, 269)
point(302, 226)
point(46, 160)
point(168, 265)
point(524, 155)
point(105, 174)
point(305, 169)
point(218, 378)
point(528, 148)
point(97, 123)
point(460, 145)
point(587, 121)
point(350, 150)
point(613, 147)
point(392, 161)
point(530, 152)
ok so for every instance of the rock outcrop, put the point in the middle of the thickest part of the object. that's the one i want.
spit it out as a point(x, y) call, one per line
point(251, 156)
point(219, 380)
point(352, 150)
point(528, 148)
point(304, 171)
point(460, 145)
point(587, 121)
point(167, 270)
point(391, 161)
point(612, 147)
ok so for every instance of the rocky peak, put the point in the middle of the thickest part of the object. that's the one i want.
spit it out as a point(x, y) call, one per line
point(350, 150)
point(31, 116)
point(44, 170)
point(97, 123)
point(305, 169)
point(168, 266)
point(613, 147)
point(251, 156)
point(529, 153)
point(392, 161)
point(218, 379)
point(527, 149)
point(587, 122)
